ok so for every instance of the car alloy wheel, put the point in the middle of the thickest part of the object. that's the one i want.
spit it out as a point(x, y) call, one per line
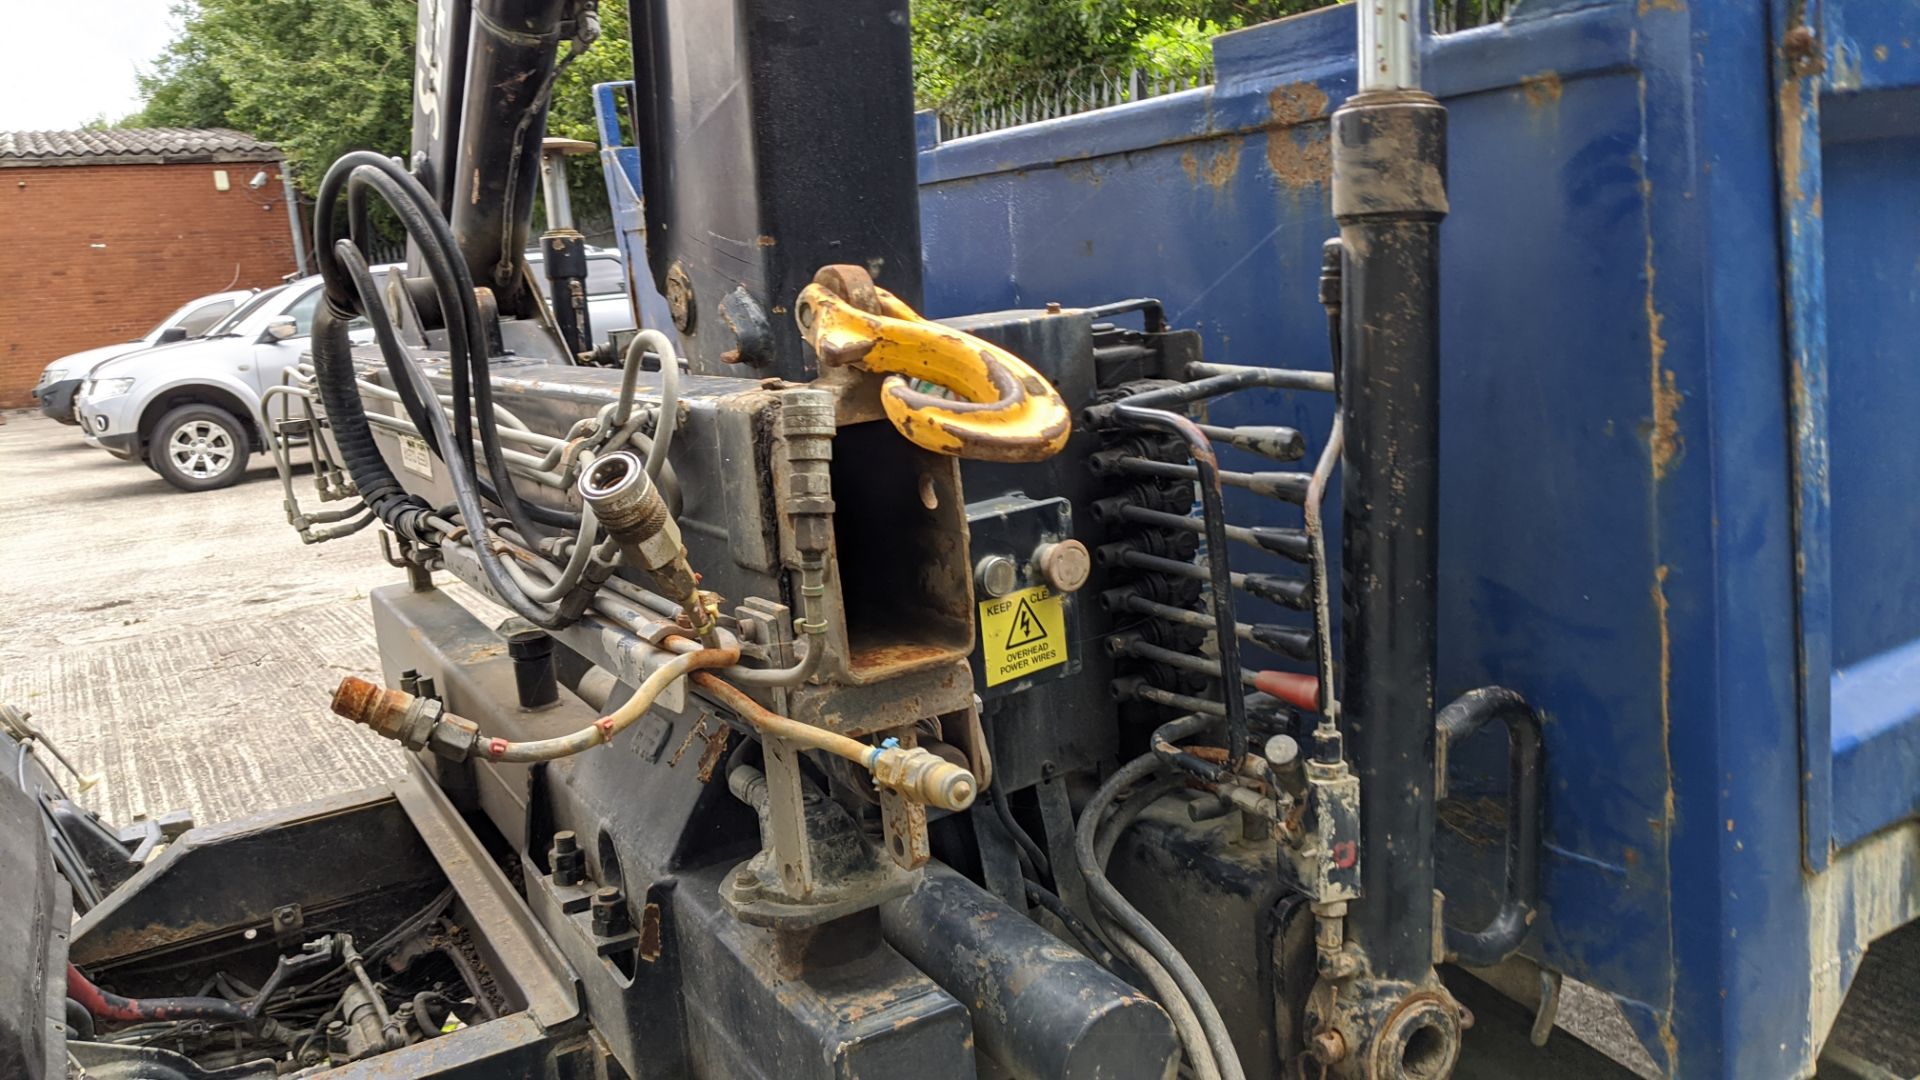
point(201, 449)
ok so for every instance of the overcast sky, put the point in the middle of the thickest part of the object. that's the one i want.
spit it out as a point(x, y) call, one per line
point(64, 63)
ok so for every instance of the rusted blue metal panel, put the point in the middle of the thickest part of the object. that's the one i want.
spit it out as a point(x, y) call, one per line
point(1637, 282)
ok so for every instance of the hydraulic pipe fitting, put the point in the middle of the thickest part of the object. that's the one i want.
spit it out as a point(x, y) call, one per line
point(418, 723)
point(923, 776)
point(630, 508)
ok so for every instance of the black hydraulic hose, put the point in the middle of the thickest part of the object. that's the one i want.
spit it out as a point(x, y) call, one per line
point(459, 467)
point(1002, 809)
point(1124, 915)
point(1034, 855)
point(453, 285)
point(1214, 521)
point(1526, 782)
point(333, 370)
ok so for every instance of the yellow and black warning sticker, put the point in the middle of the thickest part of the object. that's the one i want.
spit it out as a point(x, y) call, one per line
point(1021, 633)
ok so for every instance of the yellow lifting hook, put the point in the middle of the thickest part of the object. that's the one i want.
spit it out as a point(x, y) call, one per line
point(1001, 409)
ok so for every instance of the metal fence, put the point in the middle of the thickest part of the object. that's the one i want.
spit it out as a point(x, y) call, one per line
point(1076, 92)
point(1451, 15)
point(1083, 91)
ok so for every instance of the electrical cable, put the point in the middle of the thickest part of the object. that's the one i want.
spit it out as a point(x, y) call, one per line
point(1089, 941)
point(1186, 1023)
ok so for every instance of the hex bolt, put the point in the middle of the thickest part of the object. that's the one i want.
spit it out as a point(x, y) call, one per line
point(568, 861)
point(610, 917)
point(745, 886)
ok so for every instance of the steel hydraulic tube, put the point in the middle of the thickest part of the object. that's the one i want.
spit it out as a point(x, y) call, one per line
point(1389, 195)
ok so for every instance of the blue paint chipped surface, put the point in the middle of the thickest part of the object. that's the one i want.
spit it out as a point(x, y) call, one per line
point(1618, 534)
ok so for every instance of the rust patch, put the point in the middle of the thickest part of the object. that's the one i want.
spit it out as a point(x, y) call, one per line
point(1663, 436)
point(1298, 158)
point(1662, 5)
point(1080, 171)
point(698, 730)
point(892, 656)
point(716, 749)
point(1543, 89)
point(765, 241)
point(1296, 103)
point(1666, 678)
point(1219, 167)
point(1792, 131)
point(1664, 439)
point(1668, 1041)
point(1880, 53)
point(650, 933)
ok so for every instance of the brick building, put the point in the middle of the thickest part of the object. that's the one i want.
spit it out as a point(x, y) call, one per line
point(103, 233)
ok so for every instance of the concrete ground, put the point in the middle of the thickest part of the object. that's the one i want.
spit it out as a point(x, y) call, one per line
point(186, 646)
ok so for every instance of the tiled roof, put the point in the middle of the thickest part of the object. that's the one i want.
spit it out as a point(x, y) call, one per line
point(131, 146)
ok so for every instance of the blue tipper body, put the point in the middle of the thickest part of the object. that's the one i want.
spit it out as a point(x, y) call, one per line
point(1680, 475)
point(1680, 443)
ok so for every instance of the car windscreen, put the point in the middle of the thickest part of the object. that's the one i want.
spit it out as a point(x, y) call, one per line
point(240, 314)
point(197, 321)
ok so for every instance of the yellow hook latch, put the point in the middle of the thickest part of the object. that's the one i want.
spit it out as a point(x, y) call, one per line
point(1001, 409)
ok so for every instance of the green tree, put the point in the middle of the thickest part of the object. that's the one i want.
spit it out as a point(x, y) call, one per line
point(322, 77)
point(970, 54)
point(317, 77)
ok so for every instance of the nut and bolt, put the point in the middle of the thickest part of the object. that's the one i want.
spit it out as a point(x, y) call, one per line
point(610, 918)
point(745, 886)
point(569, 862)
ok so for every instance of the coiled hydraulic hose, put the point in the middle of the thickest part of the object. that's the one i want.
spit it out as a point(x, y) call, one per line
point(330, 365)
point(362, 172)
point(351, 290)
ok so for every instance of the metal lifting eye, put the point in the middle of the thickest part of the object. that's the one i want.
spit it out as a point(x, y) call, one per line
point(1000, 409)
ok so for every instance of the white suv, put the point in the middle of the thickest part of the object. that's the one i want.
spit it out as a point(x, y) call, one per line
point(191, 410)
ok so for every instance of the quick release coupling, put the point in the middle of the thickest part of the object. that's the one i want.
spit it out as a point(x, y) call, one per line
point(923, 776)
point(630, 508)
point(414, 722)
